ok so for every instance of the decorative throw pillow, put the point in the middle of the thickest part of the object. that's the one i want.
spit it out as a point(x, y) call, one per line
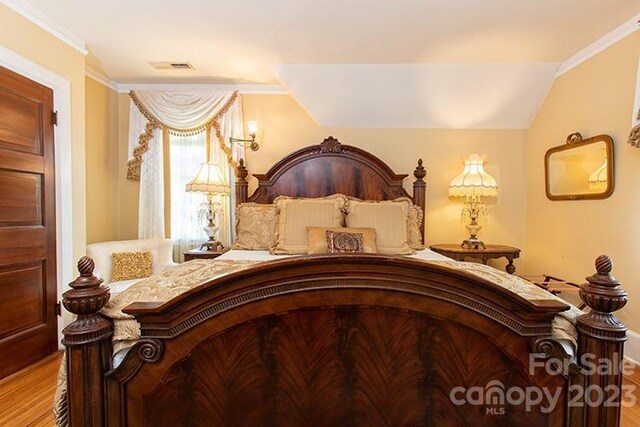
point(255, 226)
point(338, 240)
point(388, 218)
point(413, 227)
point(130, 265)
point(296, 214)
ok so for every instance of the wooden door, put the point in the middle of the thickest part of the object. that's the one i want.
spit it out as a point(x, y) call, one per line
point(28, 329)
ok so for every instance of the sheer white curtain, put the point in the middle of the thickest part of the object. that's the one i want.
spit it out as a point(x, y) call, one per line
point(182, 113)
point(151, 206)
point(187, 219)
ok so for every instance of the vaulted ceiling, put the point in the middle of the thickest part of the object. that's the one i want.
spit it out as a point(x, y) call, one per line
point(402, 63)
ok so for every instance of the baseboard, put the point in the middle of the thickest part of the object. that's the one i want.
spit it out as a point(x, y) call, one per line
point(632, 347)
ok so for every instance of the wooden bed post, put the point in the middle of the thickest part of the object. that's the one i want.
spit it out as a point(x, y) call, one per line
point(420, 192)
point(601, 338)
point(242, 186)
point(88, 347)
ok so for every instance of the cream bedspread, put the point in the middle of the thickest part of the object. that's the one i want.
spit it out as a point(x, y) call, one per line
point(177, 280)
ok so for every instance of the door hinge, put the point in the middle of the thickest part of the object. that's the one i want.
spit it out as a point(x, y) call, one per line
point(58, 309)
point(54, 118)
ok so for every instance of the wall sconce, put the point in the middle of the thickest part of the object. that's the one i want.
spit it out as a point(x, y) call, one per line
point(252, 126)
point(473, 184)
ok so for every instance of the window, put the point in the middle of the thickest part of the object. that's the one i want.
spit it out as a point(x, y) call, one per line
point(187, 153)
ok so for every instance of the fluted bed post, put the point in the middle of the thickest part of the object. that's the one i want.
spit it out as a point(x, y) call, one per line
point(88, 347)
point(601, 338)
point(242, 186)
point(420, 192)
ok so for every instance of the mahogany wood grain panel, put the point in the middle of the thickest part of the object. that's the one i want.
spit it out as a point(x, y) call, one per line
point(21, 126)
point(348, 366)
point(329, 168)
point(21, 305)
point(27, 222)
point(20, 198)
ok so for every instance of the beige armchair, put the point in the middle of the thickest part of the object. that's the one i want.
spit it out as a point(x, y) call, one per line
point(161, 254)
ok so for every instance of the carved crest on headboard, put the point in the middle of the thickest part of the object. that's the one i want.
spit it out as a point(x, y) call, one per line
point(330, 145)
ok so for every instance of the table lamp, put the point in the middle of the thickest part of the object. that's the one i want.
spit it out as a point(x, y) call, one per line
point(473, 184)
point(209, 180)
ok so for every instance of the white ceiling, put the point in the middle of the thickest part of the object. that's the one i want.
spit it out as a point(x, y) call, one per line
point(508, 49)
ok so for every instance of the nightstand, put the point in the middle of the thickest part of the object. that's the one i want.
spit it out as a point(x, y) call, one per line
point(459, 253)
point(198, 254)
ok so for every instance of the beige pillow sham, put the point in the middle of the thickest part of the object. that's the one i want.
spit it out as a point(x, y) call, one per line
point(322, 240)
point(296, 214)
point(388, 218)
point(413, 227)
point(255, 226)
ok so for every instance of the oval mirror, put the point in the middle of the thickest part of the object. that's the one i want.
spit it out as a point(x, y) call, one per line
point(580, 169)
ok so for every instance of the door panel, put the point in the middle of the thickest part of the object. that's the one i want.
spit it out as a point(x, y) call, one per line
point(20, 198)
point(21, 128)
point(21, 307)
point(28, 288)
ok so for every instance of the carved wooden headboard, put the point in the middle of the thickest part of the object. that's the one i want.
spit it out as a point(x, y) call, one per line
point(329, 168)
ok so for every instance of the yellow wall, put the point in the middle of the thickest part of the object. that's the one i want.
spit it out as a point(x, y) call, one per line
point(564, 237)
point(128, 191)
point(102, 130)
point(30, 41)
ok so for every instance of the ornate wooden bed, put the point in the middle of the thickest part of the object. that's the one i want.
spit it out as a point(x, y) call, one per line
point(338, 340)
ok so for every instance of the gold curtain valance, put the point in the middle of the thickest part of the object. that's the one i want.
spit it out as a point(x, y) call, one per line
point(634, 135)
point(133, 165)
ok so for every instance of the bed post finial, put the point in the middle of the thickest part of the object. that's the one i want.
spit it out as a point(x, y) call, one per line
point(601, 338)
point(242, 186)
point(420, 192)
point(88, 346)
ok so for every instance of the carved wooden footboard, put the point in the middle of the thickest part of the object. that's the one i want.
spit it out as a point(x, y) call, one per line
point(342, 340)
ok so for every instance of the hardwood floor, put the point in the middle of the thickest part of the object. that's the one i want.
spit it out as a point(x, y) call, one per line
point(26, 397)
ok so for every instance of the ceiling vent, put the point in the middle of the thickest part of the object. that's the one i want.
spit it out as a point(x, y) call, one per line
point(172, 65)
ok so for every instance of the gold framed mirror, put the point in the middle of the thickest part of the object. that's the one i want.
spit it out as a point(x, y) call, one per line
point(580, 169)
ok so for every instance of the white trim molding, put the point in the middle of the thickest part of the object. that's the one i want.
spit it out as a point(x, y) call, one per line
point(63, 165)
point(632, 347)
point(34, 15)
point(245, 89)
point(101, 78)
point(601, 44)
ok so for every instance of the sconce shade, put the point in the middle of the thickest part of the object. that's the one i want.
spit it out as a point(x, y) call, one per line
point(252, 126)
point(209, 180)
point(473, 181)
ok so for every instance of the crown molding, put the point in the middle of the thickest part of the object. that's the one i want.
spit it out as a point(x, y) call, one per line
point(245, 89)
point(601, 44)
point(96, 75)
point(34, 15)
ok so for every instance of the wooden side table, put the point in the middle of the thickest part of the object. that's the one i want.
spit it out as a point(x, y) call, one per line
point(198, 254)
point(459, 253)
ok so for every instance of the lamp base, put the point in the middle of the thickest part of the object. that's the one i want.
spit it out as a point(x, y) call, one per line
point(473, 243)
point(212, 246)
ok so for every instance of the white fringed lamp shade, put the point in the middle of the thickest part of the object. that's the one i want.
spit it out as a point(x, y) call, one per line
point(473, 181)
point(209, 180)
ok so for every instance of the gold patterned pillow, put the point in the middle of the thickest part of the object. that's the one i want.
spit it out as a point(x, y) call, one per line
point(130, 265)
point(336, 240)
point(340, 242)
point(255, 226)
